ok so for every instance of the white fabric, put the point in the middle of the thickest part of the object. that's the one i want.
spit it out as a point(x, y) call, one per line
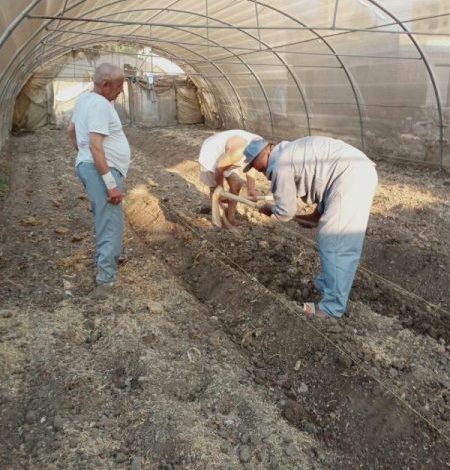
point(213, 147)
point(209, 177)
point(94, 113)
point(109, 181)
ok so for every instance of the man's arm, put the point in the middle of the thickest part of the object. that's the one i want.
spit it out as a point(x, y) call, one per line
point(72, 135)
point(252, 192)
point(284, 192)
point(232, 156)
point(98, 153)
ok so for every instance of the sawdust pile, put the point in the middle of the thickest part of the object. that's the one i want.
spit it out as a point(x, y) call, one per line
point(144, 214)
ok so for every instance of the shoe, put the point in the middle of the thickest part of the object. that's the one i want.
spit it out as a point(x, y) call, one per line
point(123, 259)
point(313, 311)
point(102, 291)
point(204, 210)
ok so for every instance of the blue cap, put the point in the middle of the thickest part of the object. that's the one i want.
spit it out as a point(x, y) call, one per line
point(252, 150)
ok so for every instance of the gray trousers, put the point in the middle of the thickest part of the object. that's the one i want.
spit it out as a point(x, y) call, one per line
point(342, 228)
point(108, 219)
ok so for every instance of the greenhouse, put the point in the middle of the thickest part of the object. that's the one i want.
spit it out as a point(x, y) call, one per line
point(214, 347)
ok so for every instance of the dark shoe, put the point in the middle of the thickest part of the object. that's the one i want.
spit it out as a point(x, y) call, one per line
point(205, 210)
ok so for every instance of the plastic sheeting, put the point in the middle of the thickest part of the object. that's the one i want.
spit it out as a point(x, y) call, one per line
point(65, 95)
point(374, 72)
point(169, 101)
point(33, 107)
point(155, 106)
point(208, 108)
point(188, 106)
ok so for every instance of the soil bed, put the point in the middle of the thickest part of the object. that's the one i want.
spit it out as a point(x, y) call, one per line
point(201, 357)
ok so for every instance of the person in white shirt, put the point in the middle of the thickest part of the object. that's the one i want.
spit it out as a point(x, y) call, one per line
point(102, 163)
point(221, 157)
point(341, 180)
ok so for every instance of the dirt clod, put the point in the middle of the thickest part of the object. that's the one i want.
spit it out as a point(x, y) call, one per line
point(294, 412)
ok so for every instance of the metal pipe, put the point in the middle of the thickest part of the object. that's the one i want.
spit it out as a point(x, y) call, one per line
point(336, 34)
point(239, 28)
point(257, 24)
point(336, 5)
point(13, 25)
point(346, 71)
point(248, 49)
point(405, 32)
point(180, 59)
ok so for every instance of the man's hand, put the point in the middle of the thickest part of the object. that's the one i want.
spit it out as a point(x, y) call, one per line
point(253, 195)
point(305, 223)
point(308, 220)
point(266, 209)
point(115, 196)
point(252, 192)
point(73, 135)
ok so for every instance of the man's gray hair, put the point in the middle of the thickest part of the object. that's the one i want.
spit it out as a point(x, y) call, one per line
point(107, 73)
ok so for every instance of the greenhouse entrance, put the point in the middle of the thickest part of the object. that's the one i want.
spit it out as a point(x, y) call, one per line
point(157, 92)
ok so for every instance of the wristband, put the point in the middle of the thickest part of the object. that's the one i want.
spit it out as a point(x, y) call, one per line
point(109, 180)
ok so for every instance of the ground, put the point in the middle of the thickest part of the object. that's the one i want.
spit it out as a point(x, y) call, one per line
point(201, 357)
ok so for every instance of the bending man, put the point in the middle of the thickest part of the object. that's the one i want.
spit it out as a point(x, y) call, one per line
point(102, 163)
point(221, 156)
point(341, 180)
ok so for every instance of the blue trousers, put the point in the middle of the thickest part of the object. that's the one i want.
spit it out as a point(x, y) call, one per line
point(108, 219)
point(342, 228)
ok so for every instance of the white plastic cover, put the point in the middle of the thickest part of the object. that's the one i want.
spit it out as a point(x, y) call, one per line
point(374, 72)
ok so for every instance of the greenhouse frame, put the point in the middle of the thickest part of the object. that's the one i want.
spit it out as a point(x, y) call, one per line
point(376, 73)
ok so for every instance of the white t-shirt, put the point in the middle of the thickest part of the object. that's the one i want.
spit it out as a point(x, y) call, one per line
point(213, 147)
point(94, 113)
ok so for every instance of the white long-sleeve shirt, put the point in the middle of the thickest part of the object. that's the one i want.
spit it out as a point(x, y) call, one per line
point(307, 168)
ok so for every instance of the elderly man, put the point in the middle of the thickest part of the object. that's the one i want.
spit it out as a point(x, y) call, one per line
point(102, 163)
point(341, 180)
point(221, 156)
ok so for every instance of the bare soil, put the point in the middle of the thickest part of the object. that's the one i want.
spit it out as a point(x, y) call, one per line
point(201, 358)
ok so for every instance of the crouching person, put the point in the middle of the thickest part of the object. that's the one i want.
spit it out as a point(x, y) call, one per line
point(221, 157)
